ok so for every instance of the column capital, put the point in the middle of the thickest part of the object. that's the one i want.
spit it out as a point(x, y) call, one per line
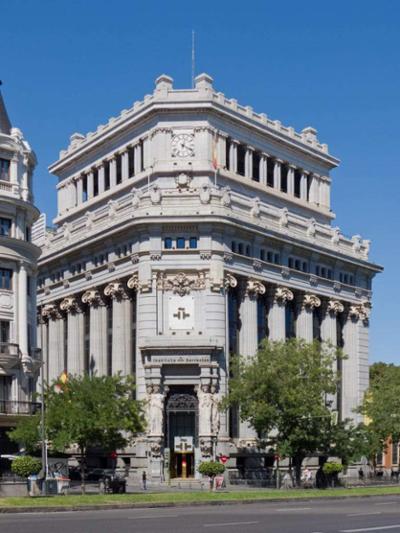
point(116, 291)
point(70, 304)
point(93, 297)
point(51, 312)
point(277, 160)
point(254, 287)
point(310, 301)
point(333, 307)
point(282, 295)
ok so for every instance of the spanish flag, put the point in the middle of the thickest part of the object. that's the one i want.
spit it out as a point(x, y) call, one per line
point(215, 153)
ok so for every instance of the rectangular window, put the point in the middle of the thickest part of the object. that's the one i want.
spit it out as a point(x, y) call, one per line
point(180, 243)
point(317, 270)
point(131, 160)
point(284, 177)
point(193, 242)
point(241, 152)
point(276, 259)
point(290, 262)
point(119, 168)
point(4, 169)
point(297, 264)
point(270, 172)
point(269, 257)
point(240, 248)
point(84, 188)
point(28, 234)
point(106, 175)
point(4, 331)
point(256, 166)
point(297, 180)
point(95, 181)
point(304, 266)
point(233, 246)
point(262, 255)
point(168, 243)
point(6, 278)
point(5, 226)
point(227, 153)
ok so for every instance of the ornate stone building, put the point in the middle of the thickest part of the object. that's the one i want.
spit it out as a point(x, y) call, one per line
point(188, 228)
point(18, 258)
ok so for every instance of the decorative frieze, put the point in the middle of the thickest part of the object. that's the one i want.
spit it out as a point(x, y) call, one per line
point(181, 283)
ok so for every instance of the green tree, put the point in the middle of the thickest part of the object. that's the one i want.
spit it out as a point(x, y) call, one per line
point(88, 411)
point(25, 465)
point(27, 433)
point(283, 392)
point(381, 407)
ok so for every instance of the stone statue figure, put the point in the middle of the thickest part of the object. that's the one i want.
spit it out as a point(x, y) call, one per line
point(215, 414)
point(156, 413)
point(205, 409)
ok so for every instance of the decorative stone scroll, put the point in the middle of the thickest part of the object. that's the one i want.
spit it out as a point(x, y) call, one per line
point(311, 301)
point(230, 282)
point(335, 307)
point(181, 283)
point(51, 311)
point(116, 290)
point(255, 287)
point(133, 282)
point(70, 304)
point(93, 298)
point(283, 295)
point(360, 312)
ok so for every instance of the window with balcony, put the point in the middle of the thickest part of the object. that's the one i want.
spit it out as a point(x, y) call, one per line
point(5, 226)
point(4, 331)
point(6, 278)
point(4, 169)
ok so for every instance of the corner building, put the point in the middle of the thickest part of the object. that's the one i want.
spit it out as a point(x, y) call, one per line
point(19, 357)
point(189, 228)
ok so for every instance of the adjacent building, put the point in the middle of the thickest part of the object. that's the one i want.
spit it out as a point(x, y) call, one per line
point(19, 363)
point(189, 228)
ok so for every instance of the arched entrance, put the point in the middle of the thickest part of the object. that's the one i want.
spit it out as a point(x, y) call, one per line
point(181, 430)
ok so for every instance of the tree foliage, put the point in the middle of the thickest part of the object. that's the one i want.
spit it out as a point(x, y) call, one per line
point(381, 406)
point(27, 433)
point(25, 466)
point(284, 393)
point(211, 468)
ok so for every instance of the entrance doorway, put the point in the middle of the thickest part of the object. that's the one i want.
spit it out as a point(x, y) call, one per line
point(181, 421)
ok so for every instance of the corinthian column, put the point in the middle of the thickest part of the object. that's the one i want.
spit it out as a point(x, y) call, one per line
point(330, 310)
point(98, 331)
point(304, 324)
point(121, 328)
point(55, 354)
point(75, 335)
point(248, 334)
point(276, 316)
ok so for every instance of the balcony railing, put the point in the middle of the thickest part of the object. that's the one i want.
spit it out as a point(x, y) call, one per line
point(9, 348)
point(9, 407)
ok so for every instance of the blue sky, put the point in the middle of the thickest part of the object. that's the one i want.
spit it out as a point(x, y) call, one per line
point(68, 65)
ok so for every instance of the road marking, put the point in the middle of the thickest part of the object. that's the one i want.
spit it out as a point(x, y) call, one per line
point(154, 517)
point(363, 514)
point(386, 503)
point(376, 528)
point(224, 524)
point(286, 509)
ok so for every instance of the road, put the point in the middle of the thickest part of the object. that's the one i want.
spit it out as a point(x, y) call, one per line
point(340, 516)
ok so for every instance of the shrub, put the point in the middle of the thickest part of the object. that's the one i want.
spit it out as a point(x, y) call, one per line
point(331, 468)
point(211, 468)
point(25, 466)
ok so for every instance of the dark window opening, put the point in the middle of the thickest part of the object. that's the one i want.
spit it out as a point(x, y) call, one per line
point(84, 188)
point(4, 331)
point(241, 153)
point(240, 248)
point(256, 166)
point(262, 329)
point(5, 226)
point(6, 278)
point(119, 168)
point(248, 250)
point(106, 175)
point(168, 243)
point(141, 155)
point(193, 242)
point(4, 169)
point(297, 181)
point(284, 177)
point(233, 246)
point(317, 324)
point(270, 172)
point(227, 154)
point(309, 178)
point(131, 161)
point(276, 259)
point(262, 254)
point(95, 181)
point(290, 320)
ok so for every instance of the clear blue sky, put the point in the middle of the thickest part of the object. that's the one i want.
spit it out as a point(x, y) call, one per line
point(68, 65)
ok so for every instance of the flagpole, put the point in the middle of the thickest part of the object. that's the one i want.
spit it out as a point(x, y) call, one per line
point(193, 59)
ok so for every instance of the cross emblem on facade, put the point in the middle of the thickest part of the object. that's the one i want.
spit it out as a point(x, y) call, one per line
point(181, 314)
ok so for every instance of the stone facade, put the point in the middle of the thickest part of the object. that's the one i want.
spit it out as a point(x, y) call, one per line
point(188, 228)
point(19, 358)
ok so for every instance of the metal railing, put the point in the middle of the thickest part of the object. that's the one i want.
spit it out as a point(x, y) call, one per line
point(10, 407)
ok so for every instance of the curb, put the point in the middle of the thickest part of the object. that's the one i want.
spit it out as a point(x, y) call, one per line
point(155, 505)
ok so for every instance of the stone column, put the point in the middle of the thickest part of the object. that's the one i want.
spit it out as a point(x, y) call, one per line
point(55, 354)
point(277, 174)
point(75, 335)
point(79, 190)
point(290, 180)
point(121, 328)
point(124, 165)
point(90, 185)
point(23, 310)
point(248, 334)
point(303, 186)
point(98, 331)
point(248, 163)
point(25, 179)
point(304, 324)
point(101, 178)
point(276, 316)
point(314, 189)
point(113, 172)
point(330, 310)
point(263, 168)
point(233, 156)
point(138, 158)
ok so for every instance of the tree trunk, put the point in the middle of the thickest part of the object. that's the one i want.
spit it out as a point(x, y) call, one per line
point(83, 464)
point(297, 462)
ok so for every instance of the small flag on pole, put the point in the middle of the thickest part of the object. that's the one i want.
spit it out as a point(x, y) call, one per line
point(215, 153)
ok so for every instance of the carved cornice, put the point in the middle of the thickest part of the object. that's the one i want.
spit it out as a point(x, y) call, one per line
point(116, 291)
point(283, 295)
point(181, 283)
point(93, 297)
point(70, 304)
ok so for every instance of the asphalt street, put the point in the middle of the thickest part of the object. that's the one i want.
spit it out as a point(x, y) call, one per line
point(340, 516)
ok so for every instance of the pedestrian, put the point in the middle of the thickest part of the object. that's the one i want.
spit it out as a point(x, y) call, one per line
point(144, 480)
point(361, 475)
